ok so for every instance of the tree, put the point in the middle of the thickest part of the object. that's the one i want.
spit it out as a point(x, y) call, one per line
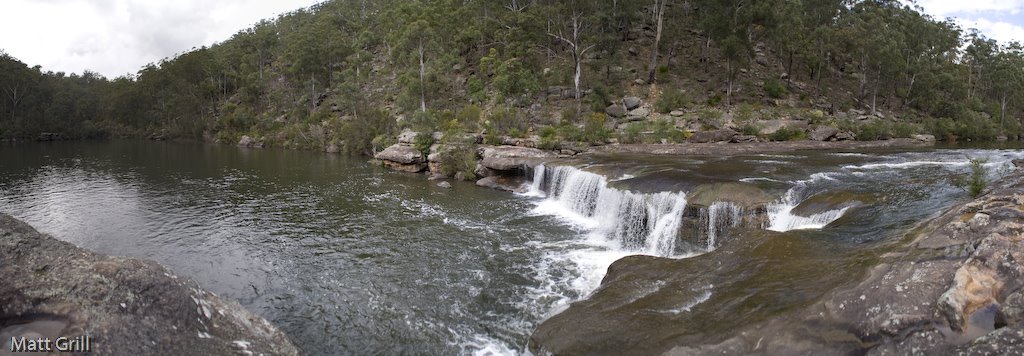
point(573, 39)
point(659, 15)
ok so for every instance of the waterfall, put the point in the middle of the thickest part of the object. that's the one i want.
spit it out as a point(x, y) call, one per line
point(637, 222)
point(721, 216)
point(782, 219)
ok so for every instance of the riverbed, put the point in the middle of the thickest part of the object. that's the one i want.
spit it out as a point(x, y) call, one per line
point(349, 258)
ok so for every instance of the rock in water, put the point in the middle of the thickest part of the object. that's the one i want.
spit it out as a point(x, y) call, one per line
point(127, 306)
point(445, 185)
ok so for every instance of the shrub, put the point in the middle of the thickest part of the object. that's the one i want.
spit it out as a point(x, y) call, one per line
point(548, 138)
point(458, 152)
point(632, 133)
point(710, 117)
point(788, 134)
point(975, 182)
point(671, 100)
point(423, 141)
point(594, 130)
point(504, 120)
point(715, 100)
point(878, 130)
point(750, 129)
point(469, 117)
point(666, 130)
point(744, 112)
point(774, 88)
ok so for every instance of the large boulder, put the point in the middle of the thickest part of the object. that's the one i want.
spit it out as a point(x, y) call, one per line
point(50, 288)
point(615, 110)
point(638, 114)
point(402, 157)
point(824, 133)
point(511, 158)
point(723, 135)
point(632, 102)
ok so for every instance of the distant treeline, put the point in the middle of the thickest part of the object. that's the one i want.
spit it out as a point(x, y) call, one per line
point(341, 71)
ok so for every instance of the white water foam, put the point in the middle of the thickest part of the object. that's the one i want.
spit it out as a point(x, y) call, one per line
point(721, 215)
point(638, 223)
point(780, 214)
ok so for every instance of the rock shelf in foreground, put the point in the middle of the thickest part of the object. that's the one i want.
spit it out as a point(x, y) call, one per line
point(126, 306)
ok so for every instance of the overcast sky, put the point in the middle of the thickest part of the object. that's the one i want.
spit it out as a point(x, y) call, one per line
point(117, 37)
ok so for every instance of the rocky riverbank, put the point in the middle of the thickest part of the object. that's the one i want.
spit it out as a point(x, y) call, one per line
point(953, 285)
point(126, 306)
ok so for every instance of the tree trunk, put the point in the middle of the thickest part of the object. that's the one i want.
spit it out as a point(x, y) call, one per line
point(659, 7)
point(423, 95)
point(1002, 113)
point(728, 92)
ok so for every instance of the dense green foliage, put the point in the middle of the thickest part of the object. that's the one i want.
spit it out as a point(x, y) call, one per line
point(350, 73)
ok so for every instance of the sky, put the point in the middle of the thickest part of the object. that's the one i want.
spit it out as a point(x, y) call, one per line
point(118, 37)
point(1002, 20)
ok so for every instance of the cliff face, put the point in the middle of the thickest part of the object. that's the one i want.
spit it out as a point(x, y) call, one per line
point(954, 285)
point(50, 288)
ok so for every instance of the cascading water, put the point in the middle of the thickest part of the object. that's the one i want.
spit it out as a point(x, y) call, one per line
point(782, 219)
point(637, 222)
point(721, 216)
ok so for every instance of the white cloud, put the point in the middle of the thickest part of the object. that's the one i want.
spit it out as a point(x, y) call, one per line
point(116, 37)
point(1003, 32)
point(946, 8)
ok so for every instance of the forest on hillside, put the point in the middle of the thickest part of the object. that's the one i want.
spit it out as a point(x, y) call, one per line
point(352, 73)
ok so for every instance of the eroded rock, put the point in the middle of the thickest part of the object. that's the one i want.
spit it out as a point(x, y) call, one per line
point(127, 306)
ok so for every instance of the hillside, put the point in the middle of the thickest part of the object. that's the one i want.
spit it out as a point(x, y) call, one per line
point(349, 75)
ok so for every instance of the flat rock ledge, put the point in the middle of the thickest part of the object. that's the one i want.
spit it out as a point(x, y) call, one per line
point(50, 288)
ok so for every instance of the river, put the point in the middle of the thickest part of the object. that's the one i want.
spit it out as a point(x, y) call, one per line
point(349, 258)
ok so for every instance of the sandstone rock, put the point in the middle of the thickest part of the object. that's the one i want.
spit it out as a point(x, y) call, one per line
point(747, 196)
point(407, 136)
point(615, 110)
point(677, 113)
point(743, 139)
point(246, 141)
point(924, 138)
point(402, 157)
point(515, 184)
point(639, 113)
point(724, 135)
point(332, 148)
point(127, 306)
point(445, 185)
point(510, 158)
point(400, 153)
point(823, 133)
point(631, 102)
point(844, 136)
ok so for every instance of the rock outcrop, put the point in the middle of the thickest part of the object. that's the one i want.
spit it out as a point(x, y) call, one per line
point(510, 158)
point(127, 306)
point(402, 157)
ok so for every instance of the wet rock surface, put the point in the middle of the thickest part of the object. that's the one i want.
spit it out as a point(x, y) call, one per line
point(952, 285)
point(127, 306)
